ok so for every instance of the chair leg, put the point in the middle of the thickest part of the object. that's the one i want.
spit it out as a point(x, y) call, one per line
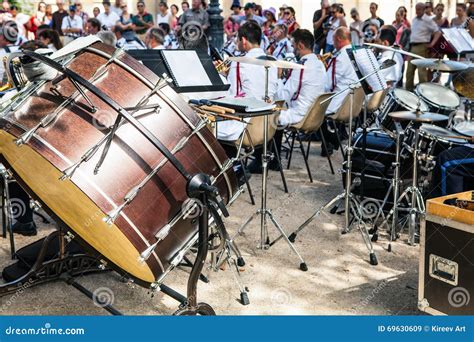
point(277, 155)
point(305, 157)
point(339, 141)
point(252, 200)
point(292, 145)
point(323, 140)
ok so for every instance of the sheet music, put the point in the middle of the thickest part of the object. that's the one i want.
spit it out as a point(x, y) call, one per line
point(186, 67)
point(459, 38)
point(367, 64)
point(248, 104)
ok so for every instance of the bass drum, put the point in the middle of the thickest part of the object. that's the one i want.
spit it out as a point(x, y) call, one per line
point(83, 202)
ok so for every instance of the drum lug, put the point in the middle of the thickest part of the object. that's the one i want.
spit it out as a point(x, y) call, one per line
point(103, 265)
point(69, 236)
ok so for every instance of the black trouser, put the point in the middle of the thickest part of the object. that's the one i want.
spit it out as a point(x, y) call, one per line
point(454, 172)
point(20, 202)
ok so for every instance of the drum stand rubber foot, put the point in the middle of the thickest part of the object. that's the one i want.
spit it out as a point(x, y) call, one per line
point(244, 298)
point(373, 259)
point(303, 267)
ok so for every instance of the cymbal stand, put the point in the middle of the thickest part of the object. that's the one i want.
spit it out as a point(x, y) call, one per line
point(350, 203)
point(264, 212)
point(7, 211)
point(417, 205)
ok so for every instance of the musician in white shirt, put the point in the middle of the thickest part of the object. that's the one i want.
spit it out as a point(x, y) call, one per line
point(395, 73)
point(303, 86)
point(247, 80)
point(155, 38)
point(340, 73)
point(283, 47)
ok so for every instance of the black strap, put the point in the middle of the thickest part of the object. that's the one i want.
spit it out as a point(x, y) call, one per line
point(115, 106)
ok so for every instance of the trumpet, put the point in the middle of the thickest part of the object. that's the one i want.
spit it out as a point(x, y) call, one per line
point(223, 67)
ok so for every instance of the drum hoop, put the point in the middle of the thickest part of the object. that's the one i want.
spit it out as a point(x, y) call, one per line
point(406, 105)
point(438, 105)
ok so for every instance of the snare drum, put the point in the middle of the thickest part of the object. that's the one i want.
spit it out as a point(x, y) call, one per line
point(438, 98)
point(433, 140)
point(399, 100)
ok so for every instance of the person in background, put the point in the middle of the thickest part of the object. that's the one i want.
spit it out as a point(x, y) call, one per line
point(249, 14)
point(174, 16)
point(125, 23)
point(429, 9)
point(163, 16)
point(142, 21)
point(394, 74)
point(424, 36)
point(281, 12)
point(337, 20)
point(84, 16)
point(38, 19)
point(269, 15)
point(127, 39)
point(96, 12)
point(48, 16)
point(404, 12)
point(461, 16)
point(72, 26)
point(196, 14)
point(117, 7)
point(108, 18)
point(320, 17)
point(290, 20)
point(93, 26)
point(470, 21)
point(58, 17)
point(184, 6)
point(357, 35)
point(231, 26)
point(21, 20)
point(439, 19)
point(204, 5)
point(282, 46)
point(51, 39)
point(403, 34)
point(170, 41)
point(155, 38)
point(374, 19)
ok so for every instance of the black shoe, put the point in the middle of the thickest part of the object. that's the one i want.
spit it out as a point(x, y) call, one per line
point(255, 167)
point(329, 148)
point(26, 229)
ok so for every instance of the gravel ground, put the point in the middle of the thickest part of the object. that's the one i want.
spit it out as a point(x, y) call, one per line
point(340, 280)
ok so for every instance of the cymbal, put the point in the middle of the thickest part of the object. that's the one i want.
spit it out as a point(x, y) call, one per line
point(389, 48)
point(267, 62)
point(442, 65)
point(417, 116)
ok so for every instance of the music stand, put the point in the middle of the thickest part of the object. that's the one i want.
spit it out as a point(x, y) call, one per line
point(264, 211)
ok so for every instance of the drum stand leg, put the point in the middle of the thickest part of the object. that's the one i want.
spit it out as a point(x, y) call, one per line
point(7, 213)
point(350, 203)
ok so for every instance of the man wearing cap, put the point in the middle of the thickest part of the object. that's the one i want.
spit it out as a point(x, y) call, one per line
point(72, 24)
point(195, 14)
point(249, 14)
point(108, 18)
point(230, 25)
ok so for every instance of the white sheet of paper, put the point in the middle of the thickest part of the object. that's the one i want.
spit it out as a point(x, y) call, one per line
point(187, 68)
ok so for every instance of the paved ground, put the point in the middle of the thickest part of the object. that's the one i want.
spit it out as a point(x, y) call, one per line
point(340, 280)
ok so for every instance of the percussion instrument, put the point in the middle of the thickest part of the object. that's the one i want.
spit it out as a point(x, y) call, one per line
point(440, 65)
point(438, 98)
point(394, 49)
point(267, 62)
point(113, 182)
point(433, 140)
point(463, 82)
point(418, 117)
point(465, 128)
point(399, 100)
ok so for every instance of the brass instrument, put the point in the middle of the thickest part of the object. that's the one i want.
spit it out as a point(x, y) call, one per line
point(223, 67)
point(325, 58)
point(9, 84)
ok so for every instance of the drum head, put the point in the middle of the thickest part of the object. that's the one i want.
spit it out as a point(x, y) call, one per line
point(440, 133)
point(438, 95)
point(409, 100)
point(465, 128)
